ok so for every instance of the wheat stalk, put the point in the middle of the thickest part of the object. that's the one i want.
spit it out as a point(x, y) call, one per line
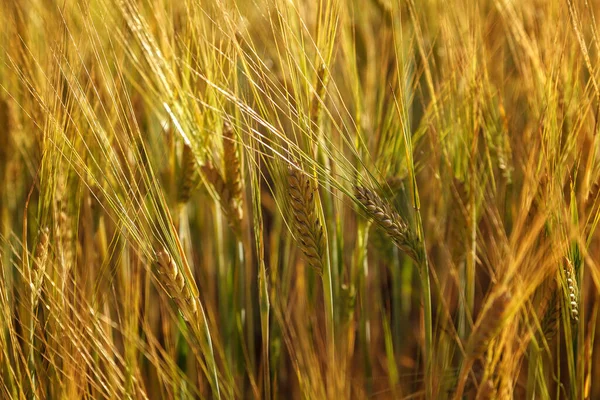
point(308, 226)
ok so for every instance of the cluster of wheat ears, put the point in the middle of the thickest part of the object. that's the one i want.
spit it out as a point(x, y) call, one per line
point(304, 199)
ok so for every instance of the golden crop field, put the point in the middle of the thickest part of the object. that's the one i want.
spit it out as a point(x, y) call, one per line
point(299, 199)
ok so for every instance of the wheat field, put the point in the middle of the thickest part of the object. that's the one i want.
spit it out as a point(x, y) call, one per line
point(299, 199)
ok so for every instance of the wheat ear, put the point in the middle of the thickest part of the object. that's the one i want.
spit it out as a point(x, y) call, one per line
point(486, 328)
point(233, 167)
point(39, 265)
point(307, 224)
point(189, 174)
point(319, 95)
point(223, 191)
point(551, 317)
point(488, 324)
point(391, 222)
point(174, 281)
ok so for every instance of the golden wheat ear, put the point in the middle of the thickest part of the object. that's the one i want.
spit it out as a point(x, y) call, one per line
point(233, 167)
point(39, 265)
point(174, 282)
point(389, 220)
point(308, 227)
point(488, 324)
point(189, 175)
point(226, 200)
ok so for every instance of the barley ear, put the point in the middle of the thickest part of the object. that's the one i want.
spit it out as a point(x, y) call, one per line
point(39, 265)
point(390, 221)
point(174, 282)
point(189, 174)
point(318, 96)
point(488, 324)
point(550, 320)
point(233, 167)
point(222, 190)
point(307, 224)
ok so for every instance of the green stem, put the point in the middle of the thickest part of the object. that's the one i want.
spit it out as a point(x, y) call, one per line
point(328, 294)
point(361, 271)
point(428, 320)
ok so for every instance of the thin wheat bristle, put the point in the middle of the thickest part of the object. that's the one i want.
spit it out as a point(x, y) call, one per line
point(488, 325)
point(308, 226)
point(175, 283)
point(572, 291)
point(189, 174)
point(394, 226)
point(215, 179)
point(233, 167)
